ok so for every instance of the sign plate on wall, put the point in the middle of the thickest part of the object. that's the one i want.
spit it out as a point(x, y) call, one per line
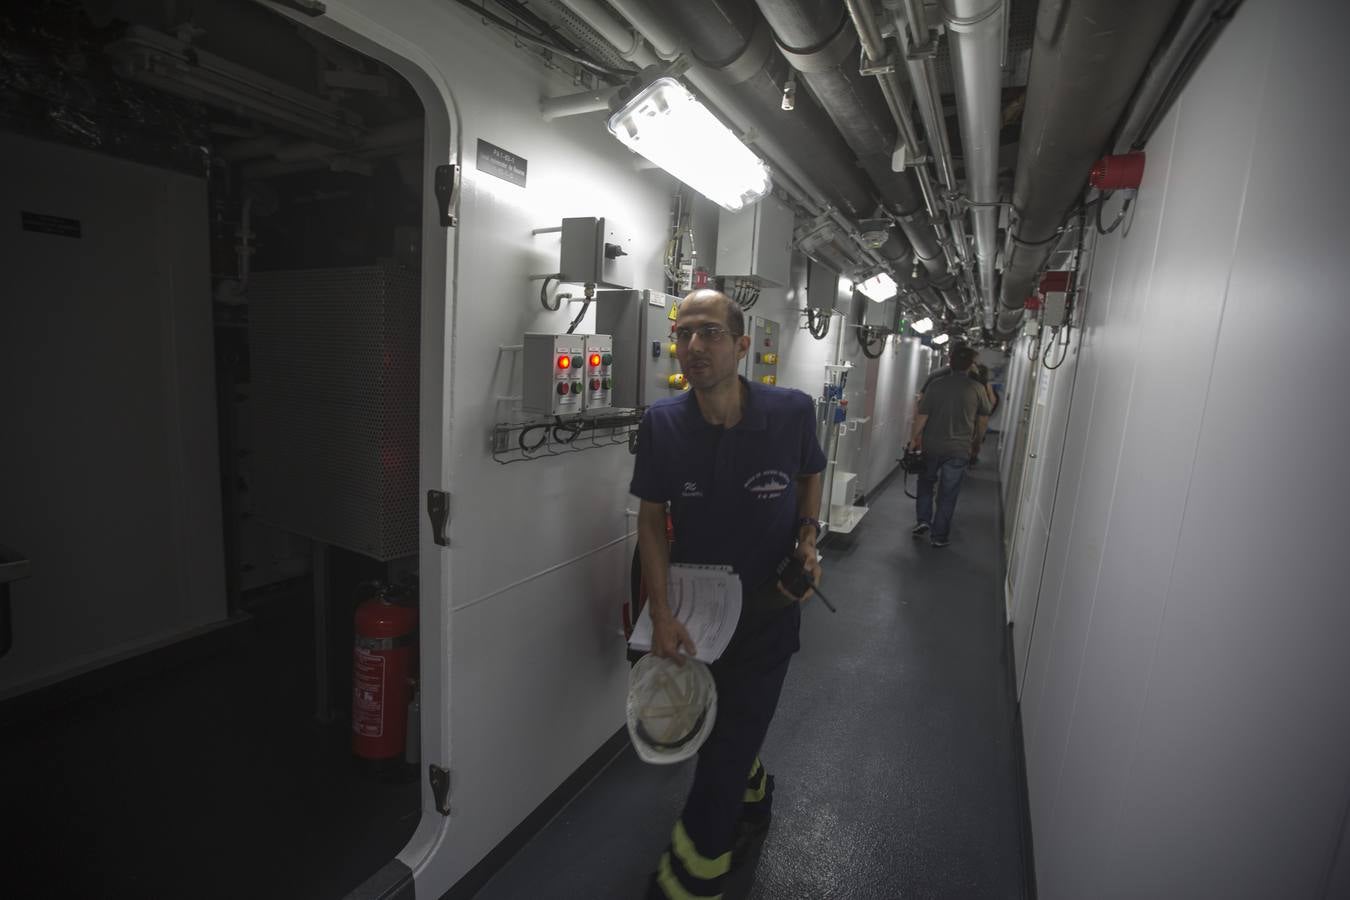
point(50, 224)
point(502, 163)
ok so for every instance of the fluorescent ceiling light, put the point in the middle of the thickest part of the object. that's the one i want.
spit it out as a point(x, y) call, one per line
point(878, 288)
point(923, 326)
point(940, 339)
point(667, 125)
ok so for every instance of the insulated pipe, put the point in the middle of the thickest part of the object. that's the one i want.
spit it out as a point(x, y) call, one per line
point(975, 30)
point(1204, 19)
point(933, 254)
point(576, 104)
point(735, 48)
point(817, 41)
point(920, 59)
point(787, 174)
point(1073, 103)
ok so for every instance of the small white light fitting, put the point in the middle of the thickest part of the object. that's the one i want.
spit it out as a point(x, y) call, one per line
point(923, 326)
point(669, 126)
point(940, 339)
point(879, 288)
point(790, 92)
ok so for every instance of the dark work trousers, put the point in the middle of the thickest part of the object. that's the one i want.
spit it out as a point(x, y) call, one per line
point(729, 780)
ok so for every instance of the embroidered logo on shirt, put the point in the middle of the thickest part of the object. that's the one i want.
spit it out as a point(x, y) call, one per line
point(691, 490)
point(768, 485)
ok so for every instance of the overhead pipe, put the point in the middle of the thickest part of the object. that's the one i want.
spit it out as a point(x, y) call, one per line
point(736, 107)
point(1171, 68)
point(921, 60)
point(952, 246)
point(818, 43)
point(975, 30)
point(576, 104)
point(734, 49)
point(1073, 104)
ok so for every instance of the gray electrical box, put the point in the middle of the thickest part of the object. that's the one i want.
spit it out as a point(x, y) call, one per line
point(645, 366)
point(599, 372)
point(761, 362)
point(554, 373)
point(594, 251)
point(880, 315)
point(754, 243)
point(823, 286)
point(1056, 308)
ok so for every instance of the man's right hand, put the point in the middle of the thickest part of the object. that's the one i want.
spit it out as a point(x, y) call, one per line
point(669, 637)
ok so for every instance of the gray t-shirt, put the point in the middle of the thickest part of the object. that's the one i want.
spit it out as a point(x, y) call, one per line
point(952, 404)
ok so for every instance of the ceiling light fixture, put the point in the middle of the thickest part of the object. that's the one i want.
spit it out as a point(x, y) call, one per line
point(940, 339)
point(790, 93)
point(879, 288)
point(923, 326)
point(669, 126)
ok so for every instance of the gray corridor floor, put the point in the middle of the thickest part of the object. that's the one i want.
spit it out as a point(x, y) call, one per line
point(893, 749)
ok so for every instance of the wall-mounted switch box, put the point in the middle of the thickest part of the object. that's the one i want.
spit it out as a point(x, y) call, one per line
point(753, 243)
point(595, 251)
point(554, 373)
point(599, 378)
point(761, 361)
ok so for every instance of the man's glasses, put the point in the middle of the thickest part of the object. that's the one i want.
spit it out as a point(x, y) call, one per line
point(709, 333)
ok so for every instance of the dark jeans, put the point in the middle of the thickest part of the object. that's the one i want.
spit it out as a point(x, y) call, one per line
point(946, 473)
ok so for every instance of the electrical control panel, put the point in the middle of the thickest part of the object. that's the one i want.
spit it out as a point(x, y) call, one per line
point(554, 373)
point(1056, 308)
point(823, 285)
point(594, 251)
point(599, 379)
point(761, 361)
point(881, 315)
point(753, 243)
point(645, 366)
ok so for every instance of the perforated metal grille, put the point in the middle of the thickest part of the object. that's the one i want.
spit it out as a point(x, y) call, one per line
point(334, 362)
point(584, 35)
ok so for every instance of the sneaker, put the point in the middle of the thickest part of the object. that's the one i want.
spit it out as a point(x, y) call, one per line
point(940, 542)
point(920, 530)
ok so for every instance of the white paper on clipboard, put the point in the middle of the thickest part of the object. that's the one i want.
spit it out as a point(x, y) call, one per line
point(706, 600)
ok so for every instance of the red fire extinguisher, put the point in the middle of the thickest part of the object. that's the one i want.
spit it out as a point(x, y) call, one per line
point(384, 662)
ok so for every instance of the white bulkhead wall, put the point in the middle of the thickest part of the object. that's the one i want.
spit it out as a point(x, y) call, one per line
point(531, 667)
point(1185, 713)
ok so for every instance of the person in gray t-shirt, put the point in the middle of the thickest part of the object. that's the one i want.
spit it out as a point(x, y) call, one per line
point(953, 410)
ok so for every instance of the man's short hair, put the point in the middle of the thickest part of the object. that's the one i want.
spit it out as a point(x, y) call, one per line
point(731, 310)
point(961, 358)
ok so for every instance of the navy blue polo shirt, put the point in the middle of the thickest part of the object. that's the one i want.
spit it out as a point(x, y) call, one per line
point(732, 491)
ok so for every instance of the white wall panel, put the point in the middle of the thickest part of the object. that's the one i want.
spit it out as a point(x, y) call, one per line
point(109, 478)
point(1187, 727)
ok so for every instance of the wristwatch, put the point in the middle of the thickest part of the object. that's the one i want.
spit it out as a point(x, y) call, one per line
point(807, 520)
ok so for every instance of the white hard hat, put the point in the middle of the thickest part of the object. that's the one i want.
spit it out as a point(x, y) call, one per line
point(671, 708)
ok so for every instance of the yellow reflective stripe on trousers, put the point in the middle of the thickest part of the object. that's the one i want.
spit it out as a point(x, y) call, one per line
point(756, 794)
point(665, 877)
point(694, 864)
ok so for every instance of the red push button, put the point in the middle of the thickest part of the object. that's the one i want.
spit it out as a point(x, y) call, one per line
point(562, 387)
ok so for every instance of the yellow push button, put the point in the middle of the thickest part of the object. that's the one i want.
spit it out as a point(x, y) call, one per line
point(676, 380)
point(672, 349)
point(769, 379)
point(770, 359)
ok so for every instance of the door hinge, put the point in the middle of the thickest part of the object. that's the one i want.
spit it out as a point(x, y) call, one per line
point(440, 787)
point(438, 508)
point(447, 193)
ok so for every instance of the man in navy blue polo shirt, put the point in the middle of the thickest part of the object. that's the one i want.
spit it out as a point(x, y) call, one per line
point(739, 465)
